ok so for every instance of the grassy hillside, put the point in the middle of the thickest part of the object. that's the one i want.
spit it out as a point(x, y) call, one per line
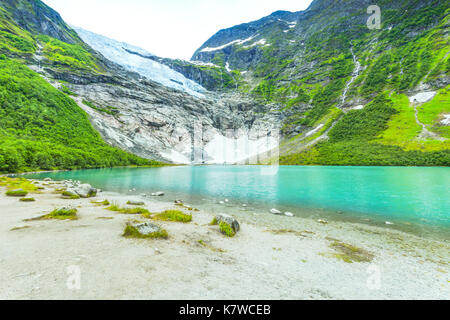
point(380, 134)
point(305, 69)
point(41, 128)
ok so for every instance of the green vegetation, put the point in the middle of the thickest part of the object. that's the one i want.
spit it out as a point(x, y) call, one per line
point(101, 203)
point(42, 129)
point(18, 183)
point(14, 40)
point(108, 110)
point(116, 208)
point(70, 195)
point(349, 253)
point(62, 214)
point(360, 139)
point(16, 193)
point(65, 55)
point(226, 229)
point(431, 113)
point(133, 232)
point(27, 199)
point(172, 215)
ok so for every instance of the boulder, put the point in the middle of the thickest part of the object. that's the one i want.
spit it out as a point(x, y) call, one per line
point(288, 214)
point(70, 193)
point(232, 222)
point(146, 228)
point(158, 194)
point(85, 191)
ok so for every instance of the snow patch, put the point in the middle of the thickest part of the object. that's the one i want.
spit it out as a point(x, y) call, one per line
point(446, 121)
point(261, 42)
point(239, 42)
point(360, 107)
point(422, 97)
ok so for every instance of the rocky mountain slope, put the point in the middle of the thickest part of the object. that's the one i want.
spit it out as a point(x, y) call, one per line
point(315, 87)
point(336, 75)
point(127, 108)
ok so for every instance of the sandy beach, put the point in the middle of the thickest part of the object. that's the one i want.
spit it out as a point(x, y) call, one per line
point(272, 258)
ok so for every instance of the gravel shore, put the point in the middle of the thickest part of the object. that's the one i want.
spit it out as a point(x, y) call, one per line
point(276, 257)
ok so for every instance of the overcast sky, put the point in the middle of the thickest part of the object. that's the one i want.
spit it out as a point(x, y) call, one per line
point(167, 28)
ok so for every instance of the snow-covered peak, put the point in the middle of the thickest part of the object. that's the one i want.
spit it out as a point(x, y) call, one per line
point(136, 59)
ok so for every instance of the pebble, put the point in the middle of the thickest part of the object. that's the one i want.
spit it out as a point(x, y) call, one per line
point(288, 214)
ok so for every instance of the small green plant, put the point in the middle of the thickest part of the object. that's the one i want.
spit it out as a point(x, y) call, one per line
point(16, 193)
point(133, 232)
point(101, 203)
point(226, 229)
point(173, 215)
point(116, 208)
point(349, 253)
point(62, 214)
point(213, 222)
point(27, 200)
point(70, 195)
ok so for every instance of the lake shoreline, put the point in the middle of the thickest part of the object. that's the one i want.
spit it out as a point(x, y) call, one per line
point(272, 257)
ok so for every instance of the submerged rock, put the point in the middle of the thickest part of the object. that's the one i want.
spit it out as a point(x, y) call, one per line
point(288, 214)
point(158, 194)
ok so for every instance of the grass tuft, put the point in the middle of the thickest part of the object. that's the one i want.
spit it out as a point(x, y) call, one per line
point(172, 215)
point(116, 208)
point(27, 199)
point(16, 193)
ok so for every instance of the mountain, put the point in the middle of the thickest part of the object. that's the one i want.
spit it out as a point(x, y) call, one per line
point(54, 84)
point(40, 127)
point(357, 96)
point(316, 87)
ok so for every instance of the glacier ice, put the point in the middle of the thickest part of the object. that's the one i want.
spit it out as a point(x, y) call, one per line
point(135, 59)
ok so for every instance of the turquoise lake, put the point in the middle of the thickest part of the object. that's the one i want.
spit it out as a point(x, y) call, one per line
point(408, 196)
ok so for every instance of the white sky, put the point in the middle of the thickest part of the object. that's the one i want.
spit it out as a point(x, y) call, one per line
point(167, 28)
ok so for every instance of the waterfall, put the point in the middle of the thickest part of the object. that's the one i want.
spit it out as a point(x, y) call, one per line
point(354, 76)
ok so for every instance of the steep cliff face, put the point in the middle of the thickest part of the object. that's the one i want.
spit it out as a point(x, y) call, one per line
point(38, 18)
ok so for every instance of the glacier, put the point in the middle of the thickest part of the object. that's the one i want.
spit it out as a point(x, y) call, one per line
point(137, 60)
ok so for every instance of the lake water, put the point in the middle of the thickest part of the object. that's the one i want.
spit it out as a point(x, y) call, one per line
point(416, 197)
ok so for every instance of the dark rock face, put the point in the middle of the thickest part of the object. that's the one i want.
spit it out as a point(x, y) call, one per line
point(38, 18)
